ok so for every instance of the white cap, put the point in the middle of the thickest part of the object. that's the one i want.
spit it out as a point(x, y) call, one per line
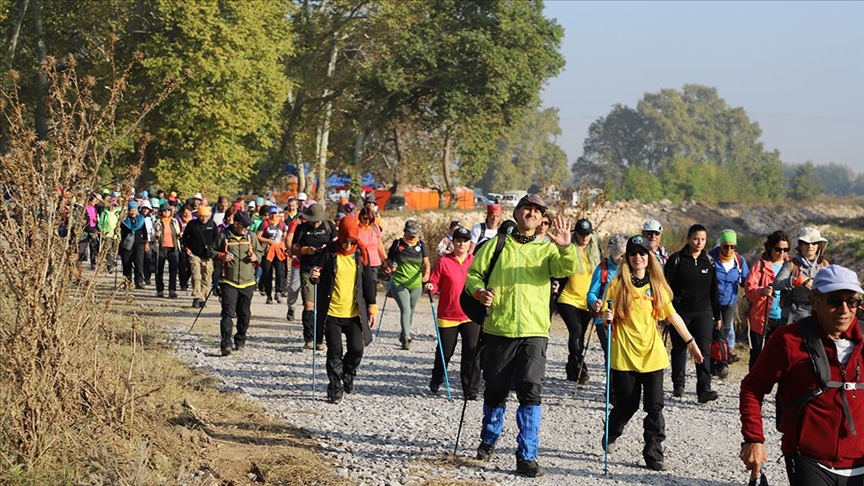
point(251, 204)
point(652, 225)
point(302, 196)
point(146, 204)
point(198, 196)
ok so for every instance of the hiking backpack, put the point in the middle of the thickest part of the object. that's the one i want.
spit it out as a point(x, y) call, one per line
point(822, 369)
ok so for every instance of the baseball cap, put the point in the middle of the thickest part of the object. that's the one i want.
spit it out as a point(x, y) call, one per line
point(412, 228)
point(638, 243)
point(204, 211)
point(534, 200)
point(454, 224)
point(242, 219)
point(652, 225)
point(272, 209)
point(833, 278)
point(302, 196)
point(462, 233)
point(583, 227)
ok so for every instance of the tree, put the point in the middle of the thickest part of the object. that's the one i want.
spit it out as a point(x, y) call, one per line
point(837, 179)
point(805, 184)
point(676, 135)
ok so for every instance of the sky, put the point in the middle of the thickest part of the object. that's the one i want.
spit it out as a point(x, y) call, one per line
point(797, 68)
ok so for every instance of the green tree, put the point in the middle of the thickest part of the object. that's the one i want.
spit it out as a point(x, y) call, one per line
point(637, 184)
point(837, 179)
point(805, 184)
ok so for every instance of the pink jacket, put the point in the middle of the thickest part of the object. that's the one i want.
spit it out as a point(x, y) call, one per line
point(448, 277)
point(761, 274)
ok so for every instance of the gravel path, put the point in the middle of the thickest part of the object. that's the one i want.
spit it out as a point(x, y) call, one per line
point(392, 430)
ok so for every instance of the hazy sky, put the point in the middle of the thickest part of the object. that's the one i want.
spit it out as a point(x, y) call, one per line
point(797, 68)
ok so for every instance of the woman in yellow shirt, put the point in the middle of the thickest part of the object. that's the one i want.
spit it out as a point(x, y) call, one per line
point(638, 357)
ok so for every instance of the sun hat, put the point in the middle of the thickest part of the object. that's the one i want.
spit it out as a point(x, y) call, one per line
point(833, 278)
point(811, 235)
point(532, 199)
point(412, 228)
point(314, 213)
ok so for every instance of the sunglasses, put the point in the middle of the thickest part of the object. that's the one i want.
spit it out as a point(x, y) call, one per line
point(545, 223)
point(781, 250)
point(634, 253)
point(729, 247)
point(836, 302)
point(349, 243)
point(651, 233)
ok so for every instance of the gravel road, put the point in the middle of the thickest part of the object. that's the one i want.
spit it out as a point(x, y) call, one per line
point(393, 431)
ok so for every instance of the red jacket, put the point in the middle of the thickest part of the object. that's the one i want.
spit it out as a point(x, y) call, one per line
point(761, 275)
point(820, 432)
point(448, 276)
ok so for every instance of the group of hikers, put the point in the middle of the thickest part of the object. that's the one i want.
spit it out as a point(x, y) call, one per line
point(499, 284)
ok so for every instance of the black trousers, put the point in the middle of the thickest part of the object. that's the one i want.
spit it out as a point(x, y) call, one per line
point(89, 243)
point(235, 303)
point(470, 366)
point(629, 387)
point(268, 268)
point(803, 471)
point(133, 258)
point(757, 341)
point(149, 263)
point(341, 369)
point(700, 326)
point(184, 271)
point(577, 321)
point(520, 361)
point(171, 256)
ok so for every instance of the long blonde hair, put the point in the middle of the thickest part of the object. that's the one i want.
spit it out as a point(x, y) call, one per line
point(626, 290)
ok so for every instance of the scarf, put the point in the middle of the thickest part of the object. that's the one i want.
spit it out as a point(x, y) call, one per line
point(520, 238)
point(411, 241)
point(134, 224)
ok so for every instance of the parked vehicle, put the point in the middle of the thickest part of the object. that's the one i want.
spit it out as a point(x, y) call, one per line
point(481, 201)
point(511, 198)
point(395, 203)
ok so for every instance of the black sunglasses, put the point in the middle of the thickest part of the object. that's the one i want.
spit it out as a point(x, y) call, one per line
point(651, 233)
point(729, 247)
point(836, 302)
point(781, 250)
point(634, 253)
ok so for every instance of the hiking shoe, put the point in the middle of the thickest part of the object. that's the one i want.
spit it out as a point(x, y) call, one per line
point(226, 351)
point(139, 286)
point(278, 298)
point(529, 468)
point(146, 281)
point(678, 392)
point(484, 452)
point(160, 294)
point(348, 384)
point(434, 387)
point(319, 346)
point(172, 295)
point(290, 314)
point(656, 465)
point(195, 303)
point(269, 300)
point(406, 344)
point(584, 377)
point(723, 373)
point(307, 345)
point(708, 396)
point(610, 448)
point(472, 396)
point(239, 347)
point(335, 400)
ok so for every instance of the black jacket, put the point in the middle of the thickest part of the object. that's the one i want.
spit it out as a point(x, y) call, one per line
point(199, 238)
point(364, 289)
point(693, 282)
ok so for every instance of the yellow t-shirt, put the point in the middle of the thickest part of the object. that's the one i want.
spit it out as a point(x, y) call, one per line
point(636, 343)
point(575, 293)
point(343, 300)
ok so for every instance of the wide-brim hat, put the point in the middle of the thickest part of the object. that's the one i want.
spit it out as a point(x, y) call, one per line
point(315, 212)
point(811, 235)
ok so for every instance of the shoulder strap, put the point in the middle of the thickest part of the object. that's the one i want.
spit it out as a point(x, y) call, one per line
point(604, 272)
point(499, 246)
point(710, 259)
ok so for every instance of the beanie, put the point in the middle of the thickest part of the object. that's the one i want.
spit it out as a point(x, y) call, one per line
point(727, 236)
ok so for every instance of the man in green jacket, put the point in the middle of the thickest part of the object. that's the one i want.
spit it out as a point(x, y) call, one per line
point(107, 225)
point(238, 251)
point(516, 330)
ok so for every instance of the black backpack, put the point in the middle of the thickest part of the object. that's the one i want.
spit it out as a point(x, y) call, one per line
point(819, 360)
point(471, 306)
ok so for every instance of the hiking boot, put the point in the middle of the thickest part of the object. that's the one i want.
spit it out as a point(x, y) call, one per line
point(723, 373)
point(290, 314)
point(146, 281)
point(269, 300)
point(278, 298)
point(172, 295)
point(348, 384)
point(239, 347)
point(708, 396)
point(656, 465)
point(226, 351)
point(472, 396)
point(139, 286)
point(160, 294)
point(734, 358)
point(406, 344)
point(678, 391)
point(319, 346)
point(484, 452)
point(195, 303)
point(529, 468)
point(307, 345)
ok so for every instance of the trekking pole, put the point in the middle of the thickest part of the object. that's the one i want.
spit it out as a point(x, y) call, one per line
point(383, 308)
point(314, 330)
point(440, 347)
point(201, 308)
point(608, 388)
point(461, 420)
point(582, 363)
